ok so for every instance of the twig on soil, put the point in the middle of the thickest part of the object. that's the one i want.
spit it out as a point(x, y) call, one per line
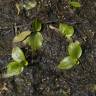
point(53, 28)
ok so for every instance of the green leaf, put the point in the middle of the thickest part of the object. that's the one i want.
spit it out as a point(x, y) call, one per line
point(36, 25)
point(18, 55)
point(67, 63)
point(30, 4)
point(62, 28)
point(35, 41)
point(75, 4)
point(74, 50)
point(66, 30)
point(14, 68)
point(21, 36)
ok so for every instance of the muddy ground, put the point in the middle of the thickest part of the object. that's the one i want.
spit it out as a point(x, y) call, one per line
point(42, 78)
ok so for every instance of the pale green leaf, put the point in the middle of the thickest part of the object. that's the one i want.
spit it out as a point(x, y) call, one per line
point(18, 55)
point(14, 68)
point(36, 25)
point(75, 4)
point(21, 36)
point(74, 50)
point(66, 30)
point(67, 63)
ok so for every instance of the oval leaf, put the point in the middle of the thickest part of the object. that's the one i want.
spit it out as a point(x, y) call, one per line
point(18, 55)
point(66, 30)
point(20, 37)
point(62, 28)
point(75, 4)
point(35, 41)
point(69, 31)
point(36, 25)
point(67, 63)
point(74, 50)
point(14, 68)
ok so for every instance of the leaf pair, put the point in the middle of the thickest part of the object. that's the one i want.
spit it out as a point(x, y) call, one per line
point(75, 51)
point(17, 66)
point(33, 39)
point(66, 30)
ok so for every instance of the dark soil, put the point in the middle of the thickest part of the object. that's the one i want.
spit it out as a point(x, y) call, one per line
point(42, 78)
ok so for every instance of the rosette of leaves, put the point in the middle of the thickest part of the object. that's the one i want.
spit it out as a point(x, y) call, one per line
point(18, 63)
point(75, 52)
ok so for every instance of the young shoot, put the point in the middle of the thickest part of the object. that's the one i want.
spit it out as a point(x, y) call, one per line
point(33, 39)
point(18, 63)
point(74, 48)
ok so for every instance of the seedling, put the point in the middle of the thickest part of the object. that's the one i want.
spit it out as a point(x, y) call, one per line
point(75, 52)
point(18, 63)
point(33, 39)
point(74, 48)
